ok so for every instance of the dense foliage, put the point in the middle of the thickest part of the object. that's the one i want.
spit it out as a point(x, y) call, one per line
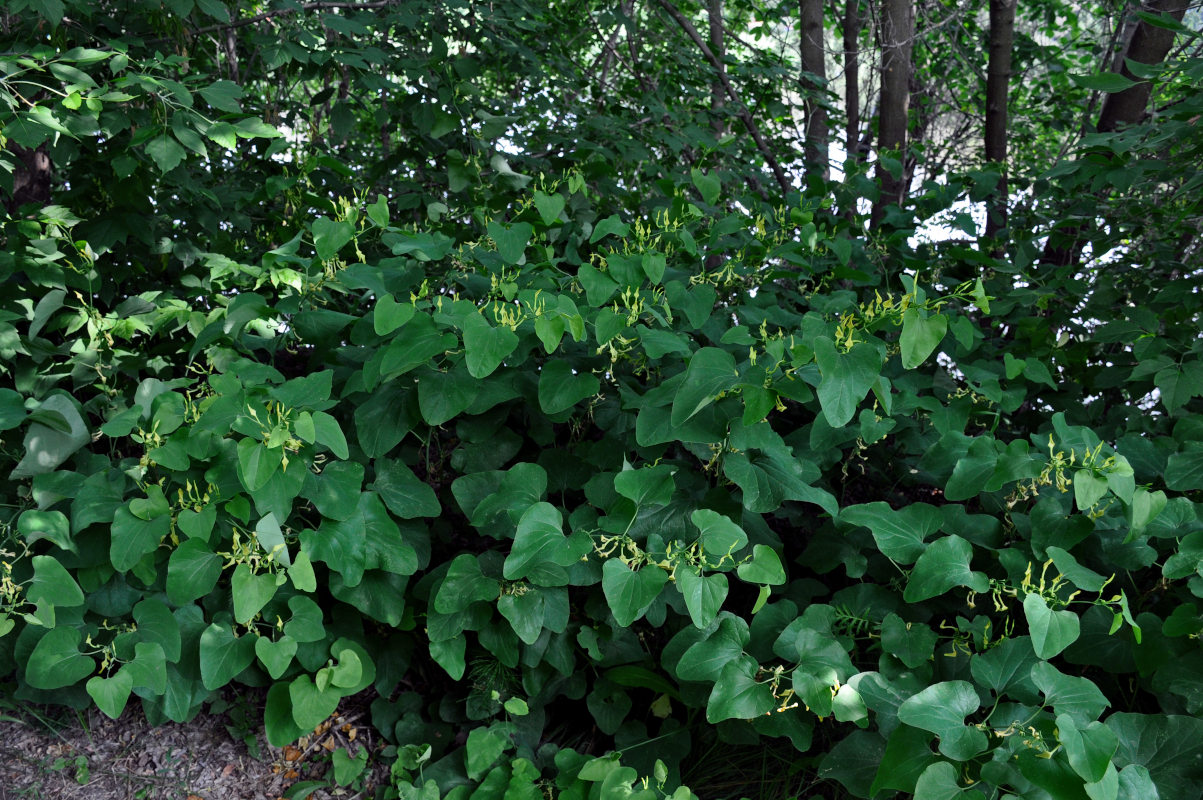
point(473, 357)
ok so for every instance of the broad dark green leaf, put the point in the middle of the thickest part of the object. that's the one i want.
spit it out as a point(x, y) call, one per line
point(847, 378)
point(561, 388)
point(223, 655)
point(942, 566)
point(56, 662)
point(630, 593)
point(485, 346)
point(711, 371)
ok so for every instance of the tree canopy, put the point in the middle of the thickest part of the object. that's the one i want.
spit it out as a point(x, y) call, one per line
point(583, 387)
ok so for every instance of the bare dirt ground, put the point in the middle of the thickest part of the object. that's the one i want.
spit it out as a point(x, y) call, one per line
point(58, 754)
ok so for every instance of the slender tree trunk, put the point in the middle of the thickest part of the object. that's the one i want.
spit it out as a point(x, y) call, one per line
point(998, 79)
point(813, 83)
point(717, 93)
point(32, 177)
point(1149, 44)
point(852, 25)
point(742, 111)
point(898, 28)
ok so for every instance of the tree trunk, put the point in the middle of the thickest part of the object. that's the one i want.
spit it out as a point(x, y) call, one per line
point(813, 84)
point(1149, 45)
point(852, 24)
point(32, 176)
point(998, 79)
point(717, 93)
point(897, 35)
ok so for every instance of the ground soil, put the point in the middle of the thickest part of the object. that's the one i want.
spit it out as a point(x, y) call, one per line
point(57, 754)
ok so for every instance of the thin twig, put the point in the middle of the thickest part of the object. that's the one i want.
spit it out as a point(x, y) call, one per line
point(315, 6)
point(744, 114)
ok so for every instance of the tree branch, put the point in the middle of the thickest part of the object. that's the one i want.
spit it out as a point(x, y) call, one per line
point(744, 114)
point(314, 6)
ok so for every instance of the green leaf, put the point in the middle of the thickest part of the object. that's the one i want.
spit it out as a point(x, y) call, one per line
point(737, 694)
point(310, 705)
point(335, 490)
point(1088, 489)
point(764, 568)
point(549, 206)
point(1169, 746)
point(1108, 82)
point(938, 782)
point(443, 396)
point(368, 539)
point(257, 463)
point(611, 225)
point(1089, 748)
point(899, 534)
point(463, 585)
point(223, 655)
point(1006, 665)
point(251, 592)
point(46, 447)
point(1077, 574)
point(560, 388)
point(921, 334)
point(1069, 694)
point(301, 573)
point(348, 672)
point(278, 723)
point(403, 492)
point(449, 655)
point(328, 433)
point(166, 152)
point(192, 572)
point(708, 185)
point(973, 470)
point(653, 265)
point(421, 342)
point(912, 643)
point(711, 371)
point(56, 662)
point(12, 409)
point(541, 551)
point(348, 767)
point(223, 96)
point(649, 487)
point(942, 709)
point(1052, 631)
point(1145, 507)
point(52, 584)
point(704, 595)
point(942, 566)
point(110, 694)
point(847, 378)
point(908, 753)
point(133, 538)
point(511, 240)
point(482, 749)
point(1184, 471)
point(630, 593)
point(720, 537)
point(705, 659)
point(485, 347)
point(389, 315)
point(329, 237)
point(524, 611)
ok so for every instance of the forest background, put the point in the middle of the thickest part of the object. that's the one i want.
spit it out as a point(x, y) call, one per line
point(584, 389)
